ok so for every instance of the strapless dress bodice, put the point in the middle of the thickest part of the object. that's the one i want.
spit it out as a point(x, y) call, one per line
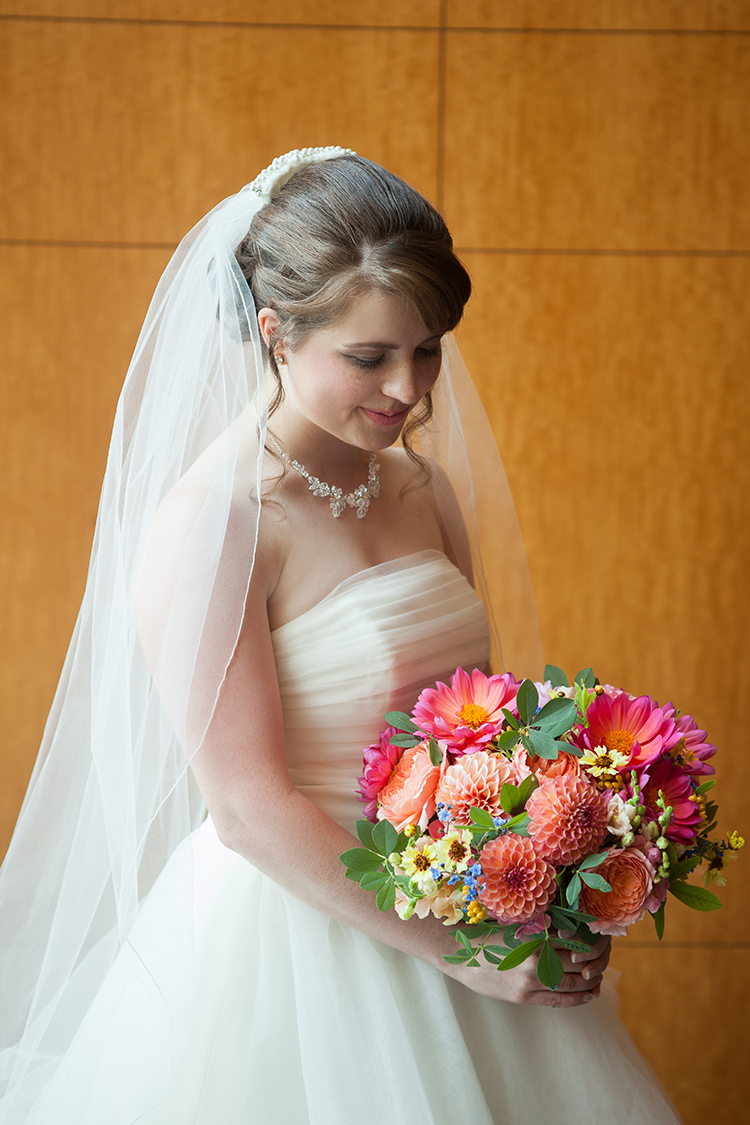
point(369, 647)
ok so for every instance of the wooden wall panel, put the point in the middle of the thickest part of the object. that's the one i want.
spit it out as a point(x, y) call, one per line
point(616, 382)
point(377, 13)
point(578, 141)
point(71, 319)
point(618, 388)
point(685, 15)
point(118, 132)
point(679, 1005)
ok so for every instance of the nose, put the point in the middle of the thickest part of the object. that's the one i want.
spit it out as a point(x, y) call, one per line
point(401, 382)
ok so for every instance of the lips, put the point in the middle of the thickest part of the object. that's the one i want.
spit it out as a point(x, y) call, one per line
point(387, 419)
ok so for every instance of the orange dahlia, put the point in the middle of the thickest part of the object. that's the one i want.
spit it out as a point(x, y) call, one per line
point(474, 781)
point(568, 818)
point(518, 880)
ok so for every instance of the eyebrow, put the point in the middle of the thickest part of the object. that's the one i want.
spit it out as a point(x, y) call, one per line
point(388, 347)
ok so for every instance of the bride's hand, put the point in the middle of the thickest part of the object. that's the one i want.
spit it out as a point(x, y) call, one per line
point(580, 984)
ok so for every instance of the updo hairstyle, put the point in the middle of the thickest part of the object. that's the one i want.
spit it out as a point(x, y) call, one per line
point(342, 228)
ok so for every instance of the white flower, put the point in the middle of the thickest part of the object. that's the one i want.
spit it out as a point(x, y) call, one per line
point(619, 815)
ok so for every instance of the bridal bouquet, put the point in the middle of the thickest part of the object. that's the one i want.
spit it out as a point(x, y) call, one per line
point(526, 809)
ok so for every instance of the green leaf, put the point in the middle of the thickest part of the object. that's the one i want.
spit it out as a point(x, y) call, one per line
point(493, 958)
point(359, 860)
point(506, 740)
point(704, 788)
point(520, 953)
point(373, 880)
point(386, 896)
point(543, 745)
point(404, 740)
point(462, 938)
point(457, 958)
point(556, 717)
point(518, 824)
point(384, 837)
point(585, 677)
point(482, 819)
point(569, 943)
point(695, 897)
point(527, 787)
point(598, 882)
point(364, 831)
point(658, 917)
point(555, 675)
point(683, 867)
point(436, 754)
point(527, 701)
point(510, 798)
point(549, 968)
point(592, 861)
point(511, 719)
point(573, 890)
point(483, 929)
point(400, 720)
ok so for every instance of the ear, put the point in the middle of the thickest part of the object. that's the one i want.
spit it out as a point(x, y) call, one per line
point(268, 322)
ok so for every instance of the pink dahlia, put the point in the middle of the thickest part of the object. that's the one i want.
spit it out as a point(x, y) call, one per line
point(379, 760)
point(631, 877)
point(687, 747)
point(474, 781)
point(635, 727)
point(677, 788)
point(567, 818)
point(518, 880)
point(467, 714)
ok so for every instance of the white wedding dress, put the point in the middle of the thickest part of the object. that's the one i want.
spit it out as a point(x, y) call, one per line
point(291, 1018)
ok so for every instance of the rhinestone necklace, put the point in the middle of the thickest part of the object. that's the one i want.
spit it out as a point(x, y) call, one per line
point(338, 499)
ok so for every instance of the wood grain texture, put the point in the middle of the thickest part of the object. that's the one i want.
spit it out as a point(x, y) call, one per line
point(70, 321)
point(687, 1011)
point(618, 391)
point(132, 132)
point(683, 15)
point(626, 142)
point(376, 13)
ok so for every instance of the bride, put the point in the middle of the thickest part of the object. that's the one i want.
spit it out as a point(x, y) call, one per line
point(300, 489)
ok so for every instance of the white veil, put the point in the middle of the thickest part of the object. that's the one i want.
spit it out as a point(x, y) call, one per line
point(111, 796)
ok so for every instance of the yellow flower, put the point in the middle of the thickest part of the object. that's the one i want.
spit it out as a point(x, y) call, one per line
point(735, 841)
point(476, 912)
point(418, 860)
point(454, 850)
point(603, 760)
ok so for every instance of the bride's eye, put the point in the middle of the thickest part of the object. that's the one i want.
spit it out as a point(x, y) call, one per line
point(366, 364)
point(428, 353)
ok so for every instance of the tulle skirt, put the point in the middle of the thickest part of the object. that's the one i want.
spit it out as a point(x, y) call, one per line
point(283, 1016)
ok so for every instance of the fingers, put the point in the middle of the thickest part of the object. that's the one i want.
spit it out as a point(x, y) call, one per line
point(558, 999)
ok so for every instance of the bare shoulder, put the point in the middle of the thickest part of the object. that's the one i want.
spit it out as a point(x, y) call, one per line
point(193, 515)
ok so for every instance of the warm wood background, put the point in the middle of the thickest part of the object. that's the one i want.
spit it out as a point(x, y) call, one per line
point(592, 157)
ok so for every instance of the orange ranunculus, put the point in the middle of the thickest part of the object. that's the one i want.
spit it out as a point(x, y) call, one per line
point(524, 764)
point(631, 876)
point(408, 797)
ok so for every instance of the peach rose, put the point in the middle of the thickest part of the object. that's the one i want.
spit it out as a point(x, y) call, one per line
point(524, 764)
point(631, 876)
point(408, 797)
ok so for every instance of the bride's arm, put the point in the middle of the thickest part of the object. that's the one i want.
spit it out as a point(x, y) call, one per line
point(258, 813)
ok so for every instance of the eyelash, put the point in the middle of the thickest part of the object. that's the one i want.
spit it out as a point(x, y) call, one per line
point(370, 364)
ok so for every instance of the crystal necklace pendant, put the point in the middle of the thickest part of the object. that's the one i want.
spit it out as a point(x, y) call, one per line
point(359, 499)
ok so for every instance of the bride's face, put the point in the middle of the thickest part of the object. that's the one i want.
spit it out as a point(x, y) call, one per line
point(359, 378)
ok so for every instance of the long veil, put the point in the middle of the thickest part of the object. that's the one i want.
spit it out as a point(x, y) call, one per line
point(111, 796)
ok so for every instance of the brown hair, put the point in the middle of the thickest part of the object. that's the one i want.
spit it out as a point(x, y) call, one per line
point(342, 228)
